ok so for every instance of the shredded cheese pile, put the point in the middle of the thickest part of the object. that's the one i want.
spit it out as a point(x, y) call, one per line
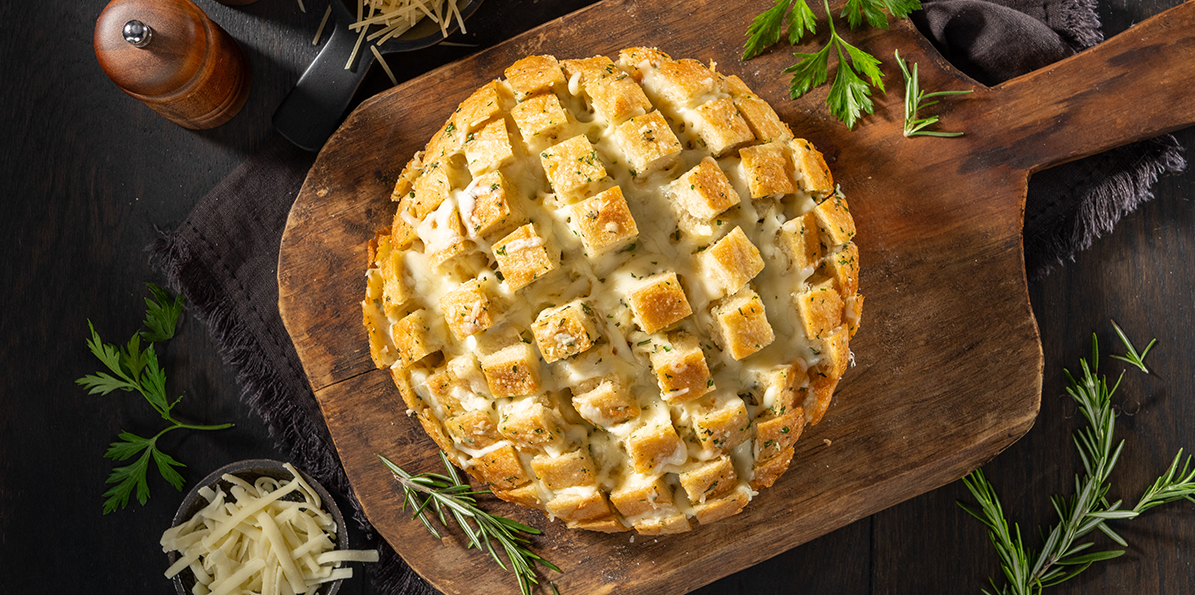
point(381, 20)
point(253, 540)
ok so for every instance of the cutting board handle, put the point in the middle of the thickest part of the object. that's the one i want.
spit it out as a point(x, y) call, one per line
point(1135, 86)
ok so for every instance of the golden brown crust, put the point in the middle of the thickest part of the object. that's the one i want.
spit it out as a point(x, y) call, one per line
point(616, 290)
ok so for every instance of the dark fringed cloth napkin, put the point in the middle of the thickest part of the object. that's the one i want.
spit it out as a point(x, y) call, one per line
point(224, 256)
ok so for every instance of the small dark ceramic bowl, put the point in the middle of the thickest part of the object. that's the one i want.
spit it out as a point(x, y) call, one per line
point(250, 471)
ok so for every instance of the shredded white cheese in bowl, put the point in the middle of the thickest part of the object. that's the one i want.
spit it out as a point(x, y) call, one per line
point(261, 527)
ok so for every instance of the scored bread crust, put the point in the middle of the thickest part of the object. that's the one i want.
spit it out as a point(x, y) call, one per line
point(616, 291)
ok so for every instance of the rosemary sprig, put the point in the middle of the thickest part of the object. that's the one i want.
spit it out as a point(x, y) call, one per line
point(446, 493)
point(915, 100)
point(1132, 357)
point(1065, 552)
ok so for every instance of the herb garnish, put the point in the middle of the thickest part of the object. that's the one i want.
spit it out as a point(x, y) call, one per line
point(913, 103)
point(137, 370)
point(850, 94)
point(447, 492)
point(1061, 557)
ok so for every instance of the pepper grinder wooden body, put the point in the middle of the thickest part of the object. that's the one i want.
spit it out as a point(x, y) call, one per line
point(171, 56)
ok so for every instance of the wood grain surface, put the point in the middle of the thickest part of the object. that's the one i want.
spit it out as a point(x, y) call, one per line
point(949, 367)
point(92, 176)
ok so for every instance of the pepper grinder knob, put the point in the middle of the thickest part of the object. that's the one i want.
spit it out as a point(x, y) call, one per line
point(169, 55)
point(137, 33)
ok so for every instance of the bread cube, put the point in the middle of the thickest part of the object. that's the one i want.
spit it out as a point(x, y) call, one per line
point(820, 310)
point(638, 58)
point(406, 180)
point(741, 325)
point(396, 286)
point(658, 302)
point(525, 495)
point(493, 207)
point(664, 525)
point(606, 524)
point(779, 390)
point(572, 166)
point(445, 143)
point(682, 83)
point(812, 172)
point(402, 228)
point(607, 404)
point(800, 241)
point(416, 336)
point(614, 94)
point(473, 430)
point(654, 446)
point(432, 426)
point(853, 312)
point(579, 505)
point(639, 494)
point(681, 370)
point(834, 221)
point(440, 386)
point(564, 331)
point(512, 371)
point(722, 426)
point(709, 479)
point(466, 309)
point(767, 472)
point(760, 117)
point(402, 381)
point(534, 74)
point(704, 192)
point(778, 433)
point(530, 425)
point(842, 266)
point(501, 468)
point(720, 126)
point(523, 257)
point(768, 169)
point(731, 262)
point(821, 393)
point(489, 148)
point(647, 143)
point(539, 118)
point(836, 351)
point(443, 235)
point(432, 188)
point(565, 471)
point(714, 510)
point(483, 104)
point(603, 222)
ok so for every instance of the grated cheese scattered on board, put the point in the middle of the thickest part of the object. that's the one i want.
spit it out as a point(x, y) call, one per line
point(391, 18)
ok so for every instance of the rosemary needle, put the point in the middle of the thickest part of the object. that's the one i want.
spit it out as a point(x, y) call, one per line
point(444, 494)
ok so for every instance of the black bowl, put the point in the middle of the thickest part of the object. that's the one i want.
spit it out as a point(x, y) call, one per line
point(250, 470)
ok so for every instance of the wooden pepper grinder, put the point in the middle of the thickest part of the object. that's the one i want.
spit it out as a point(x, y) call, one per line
point(172, 57)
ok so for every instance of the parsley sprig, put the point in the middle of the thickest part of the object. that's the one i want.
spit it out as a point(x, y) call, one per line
point(446, 493)
point(857, 71)
point(133, 369)
point(1066, 552)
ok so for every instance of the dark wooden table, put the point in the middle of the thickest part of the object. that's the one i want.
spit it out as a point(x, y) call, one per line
point(90, 176)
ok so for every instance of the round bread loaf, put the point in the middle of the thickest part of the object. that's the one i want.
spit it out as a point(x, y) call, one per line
point(616, 291)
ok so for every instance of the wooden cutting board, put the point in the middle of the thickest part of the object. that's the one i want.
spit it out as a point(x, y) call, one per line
point(948, 359)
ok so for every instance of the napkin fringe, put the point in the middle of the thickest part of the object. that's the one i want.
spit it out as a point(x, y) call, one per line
point(290, 421)
point(1057, 232)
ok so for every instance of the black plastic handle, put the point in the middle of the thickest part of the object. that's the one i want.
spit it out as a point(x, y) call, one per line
point(313, 109)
